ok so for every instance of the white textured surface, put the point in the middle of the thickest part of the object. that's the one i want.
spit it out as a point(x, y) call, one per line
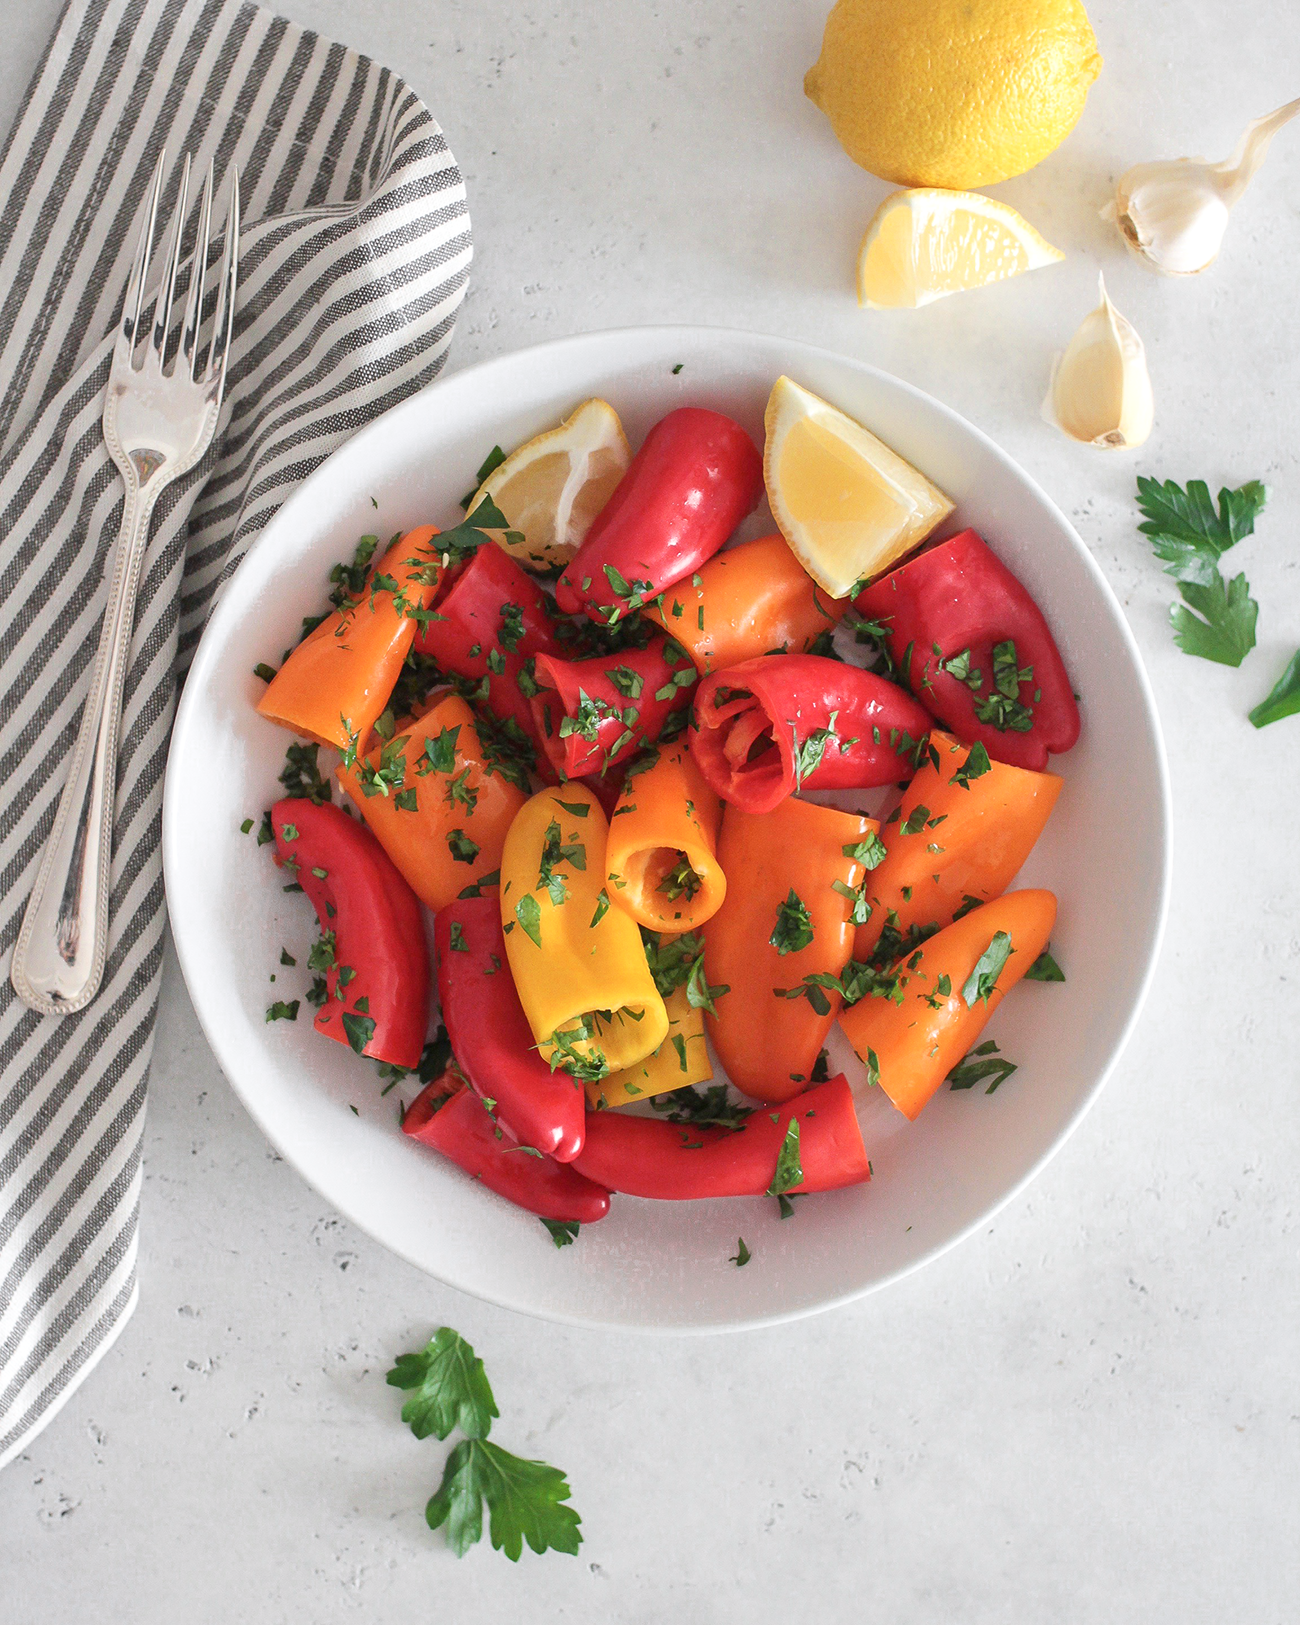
point(1086, 1414)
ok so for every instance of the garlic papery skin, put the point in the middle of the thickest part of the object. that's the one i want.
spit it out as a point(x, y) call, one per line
point(1100, 392)
point(1172, 214)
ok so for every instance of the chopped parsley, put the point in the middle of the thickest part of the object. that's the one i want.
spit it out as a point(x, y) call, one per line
point(462, 849)
point(793, 930)
point(788, 1171)
point(976, 765)
point(1045, 969)
point(984, 1061)
point(983, 979)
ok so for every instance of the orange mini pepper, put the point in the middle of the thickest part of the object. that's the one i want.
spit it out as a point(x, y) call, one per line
point(949, 989)
point(661, 861)
point(961, 834)
point(434, 804)
point(337, 681)
point(755, 599)
point(794, 878)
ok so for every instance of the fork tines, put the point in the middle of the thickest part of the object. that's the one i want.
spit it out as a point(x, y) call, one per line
point(212, 369)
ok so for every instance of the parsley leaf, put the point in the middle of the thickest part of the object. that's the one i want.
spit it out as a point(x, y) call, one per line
point(1186, 533)
point(525, 1501)
point(359, 1029)
point(1284, 698)
point(462, 849)
point(970, 1071)
point(1002, 708)
point(983, 979)
point(915, 821)
point(793, 929)
point(706, 1108)
point(1045, 969)
point(976, 765)
point(742, 1254)
point(699, 995)
point(1223, 627)
point(529, 914)
point(451, 1389)
point(870, 851)
point(564, 1232)
point(440, 752)
point(280, 1011)
point(788, 1171)
point(671, 960)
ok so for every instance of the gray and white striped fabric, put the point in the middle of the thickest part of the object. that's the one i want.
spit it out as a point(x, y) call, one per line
point(354, 259)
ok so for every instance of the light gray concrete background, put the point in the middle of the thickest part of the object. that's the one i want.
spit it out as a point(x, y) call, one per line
point(1089, 1412)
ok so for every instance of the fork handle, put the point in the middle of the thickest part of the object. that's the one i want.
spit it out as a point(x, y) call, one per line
point(59, 958)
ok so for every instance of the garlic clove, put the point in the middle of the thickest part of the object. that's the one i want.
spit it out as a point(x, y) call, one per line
point(1172, 214)
point(1100, 390)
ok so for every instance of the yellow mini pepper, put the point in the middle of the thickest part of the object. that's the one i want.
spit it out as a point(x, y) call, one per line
point(578, 964)
point(434, 805)
point(682, 1059)
point(661, 863)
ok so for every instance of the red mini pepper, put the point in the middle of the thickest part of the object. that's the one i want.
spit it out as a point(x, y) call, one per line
point(490, 1036)
point(676, 1162)
point(593, 713)
point(452, 1119)
point(975, 648)
point(694, 479)
point(781, 723)
point(488, 625)
point(377, 962)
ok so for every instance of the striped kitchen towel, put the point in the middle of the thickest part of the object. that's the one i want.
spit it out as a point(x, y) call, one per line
point(354, 258)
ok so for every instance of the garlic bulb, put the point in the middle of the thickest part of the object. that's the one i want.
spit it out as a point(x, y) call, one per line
point(1100, 391)
point(1173, 214)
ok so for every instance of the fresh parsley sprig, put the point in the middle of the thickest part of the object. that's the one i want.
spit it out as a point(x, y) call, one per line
point(1216, 620)
point(526, 1500)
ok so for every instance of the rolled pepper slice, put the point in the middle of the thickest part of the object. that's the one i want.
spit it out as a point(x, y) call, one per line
point(649, 1157)
point(490, 1036)
point(490, 623)
point(694, 479)
point(452, 1119)
point(682, 1059)
point(372, 946)
point(336, 683)
point(755, 599)
point(437, 806)
point(787, 916)
point(781, 723)
point(959, 837)
point(661, 860)
point(578, 964)
point(910, 1047)
point(977, 651)
point(593, 714)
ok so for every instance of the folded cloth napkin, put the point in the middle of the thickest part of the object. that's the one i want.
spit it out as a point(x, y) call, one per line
point(354, 257)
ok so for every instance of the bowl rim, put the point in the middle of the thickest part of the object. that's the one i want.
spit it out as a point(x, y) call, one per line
point(679, 333)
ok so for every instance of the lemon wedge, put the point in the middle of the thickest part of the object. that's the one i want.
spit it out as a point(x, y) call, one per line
point(554, 485)
point(924, 244)
point(846, 503)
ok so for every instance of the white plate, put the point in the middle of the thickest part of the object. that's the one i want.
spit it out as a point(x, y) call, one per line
point(662, 1266)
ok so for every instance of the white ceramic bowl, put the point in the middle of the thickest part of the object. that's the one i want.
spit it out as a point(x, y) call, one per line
point(662, 1266)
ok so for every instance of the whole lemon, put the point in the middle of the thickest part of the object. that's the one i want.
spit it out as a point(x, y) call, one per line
point(955, 93)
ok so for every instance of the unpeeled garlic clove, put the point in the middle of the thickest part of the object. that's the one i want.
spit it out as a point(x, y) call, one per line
point(1172, 214)
point(1100, 392)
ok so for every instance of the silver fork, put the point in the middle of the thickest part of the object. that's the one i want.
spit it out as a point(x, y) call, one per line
point(158, 422)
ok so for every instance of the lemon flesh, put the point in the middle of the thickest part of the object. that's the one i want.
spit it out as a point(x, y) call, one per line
point(847, 505)
point(924, 244)
point(954, 93)
point(553, 486)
